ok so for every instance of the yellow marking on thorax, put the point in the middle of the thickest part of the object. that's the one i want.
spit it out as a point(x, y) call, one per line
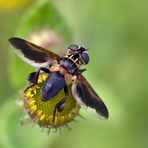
point(69, 56)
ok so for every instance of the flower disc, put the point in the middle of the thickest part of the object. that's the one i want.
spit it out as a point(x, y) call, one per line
point(43, 112)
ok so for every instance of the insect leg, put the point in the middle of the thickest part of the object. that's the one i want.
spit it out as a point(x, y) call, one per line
point(33, 77)
point(82, 70)
point(60, 105)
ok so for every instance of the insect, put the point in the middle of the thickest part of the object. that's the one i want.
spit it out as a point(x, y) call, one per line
point(63, 71)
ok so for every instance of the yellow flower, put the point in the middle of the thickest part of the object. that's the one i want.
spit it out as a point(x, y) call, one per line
point(12, 4)
point(43, 112)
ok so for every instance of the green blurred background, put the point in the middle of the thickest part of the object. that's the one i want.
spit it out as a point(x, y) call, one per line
point(116, 33)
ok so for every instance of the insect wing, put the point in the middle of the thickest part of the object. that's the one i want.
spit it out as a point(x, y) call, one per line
point(33, 54)
point(86, 95)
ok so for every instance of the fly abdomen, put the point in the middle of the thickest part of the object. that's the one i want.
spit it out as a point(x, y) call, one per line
point(53, 84)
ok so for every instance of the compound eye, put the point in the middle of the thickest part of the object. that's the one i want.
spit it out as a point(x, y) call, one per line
point(85, 57)
point(73, 47)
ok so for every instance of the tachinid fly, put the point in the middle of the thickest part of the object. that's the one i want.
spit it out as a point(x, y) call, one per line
point(62, 72)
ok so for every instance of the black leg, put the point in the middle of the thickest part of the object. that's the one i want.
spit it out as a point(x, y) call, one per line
point(82, 70)
point(33, 77)
point(61, 105)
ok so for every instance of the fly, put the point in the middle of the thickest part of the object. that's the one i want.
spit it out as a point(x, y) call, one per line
point(62, 71)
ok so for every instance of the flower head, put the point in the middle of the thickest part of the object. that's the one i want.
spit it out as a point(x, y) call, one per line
point(43, 112)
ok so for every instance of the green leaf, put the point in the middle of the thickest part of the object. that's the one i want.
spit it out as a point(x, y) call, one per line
point(42, 15)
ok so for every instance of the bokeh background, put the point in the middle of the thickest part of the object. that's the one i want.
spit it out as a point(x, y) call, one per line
point(116, 33)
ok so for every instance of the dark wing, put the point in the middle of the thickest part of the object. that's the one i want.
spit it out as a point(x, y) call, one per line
point(86, 95)
point(33, 54)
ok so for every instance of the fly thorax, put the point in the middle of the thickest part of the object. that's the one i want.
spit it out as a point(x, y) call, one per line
point(71, 63)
